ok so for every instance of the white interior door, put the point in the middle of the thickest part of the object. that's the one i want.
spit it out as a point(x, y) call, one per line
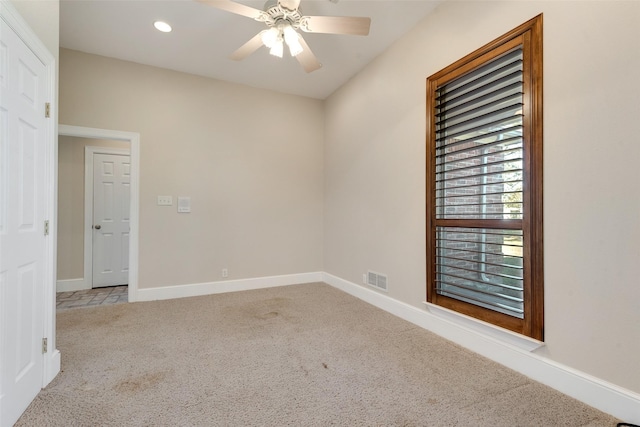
point(23, 142)
point(111, 187)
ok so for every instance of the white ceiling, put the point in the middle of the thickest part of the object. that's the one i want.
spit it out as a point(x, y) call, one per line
point(203, 37)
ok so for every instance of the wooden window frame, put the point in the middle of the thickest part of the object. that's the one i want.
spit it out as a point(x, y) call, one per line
point(529, 35)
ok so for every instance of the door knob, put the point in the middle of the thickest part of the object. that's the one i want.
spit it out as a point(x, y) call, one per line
point(97, 227)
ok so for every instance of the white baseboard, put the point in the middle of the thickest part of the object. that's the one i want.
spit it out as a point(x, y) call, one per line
point(69, 285)
point(198, 289)
point(610, 398)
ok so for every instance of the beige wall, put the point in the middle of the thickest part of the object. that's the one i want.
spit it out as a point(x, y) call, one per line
point(71, 154)
point(375, 170)
point(251, 161)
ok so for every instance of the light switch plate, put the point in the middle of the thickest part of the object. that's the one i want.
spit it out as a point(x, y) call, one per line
point(165, 200)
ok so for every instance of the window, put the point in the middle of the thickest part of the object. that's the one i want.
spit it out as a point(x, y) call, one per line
point(484, 183)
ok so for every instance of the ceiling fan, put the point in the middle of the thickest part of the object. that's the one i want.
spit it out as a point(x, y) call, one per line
point(284, 20)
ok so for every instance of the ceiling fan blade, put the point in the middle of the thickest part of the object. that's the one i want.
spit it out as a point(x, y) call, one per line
point(336, 25)
point(233, 7)
point(248, 48)
point(289, 4)
point(306, 58)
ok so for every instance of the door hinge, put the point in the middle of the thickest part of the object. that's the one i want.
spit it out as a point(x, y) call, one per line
point(44, 345)
point(47, 110)
point(46, 228)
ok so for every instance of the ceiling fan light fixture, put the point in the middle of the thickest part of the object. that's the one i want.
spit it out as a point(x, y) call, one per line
point(292, 38)
point(270, 37)
point(277, 49)
point(289, 34)
point(295, 48)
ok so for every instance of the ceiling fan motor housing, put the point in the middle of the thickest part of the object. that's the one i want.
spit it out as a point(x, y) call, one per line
point(275, 15)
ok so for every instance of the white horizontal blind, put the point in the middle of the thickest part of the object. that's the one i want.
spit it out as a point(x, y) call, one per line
point(479, 176)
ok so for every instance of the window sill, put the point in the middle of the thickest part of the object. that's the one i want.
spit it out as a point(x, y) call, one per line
point(485, 329)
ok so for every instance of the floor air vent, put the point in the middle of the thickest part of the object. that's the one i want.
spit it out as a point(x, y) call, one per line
point(377, 280)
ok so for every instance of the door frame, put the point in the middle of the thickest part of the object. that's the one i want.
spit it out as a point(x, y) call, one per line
point(133, 139)
point(10, 16)
point(89, 151)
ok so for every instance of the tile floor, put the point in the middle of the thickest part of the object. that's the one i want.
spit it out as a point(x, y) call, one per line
point(92, 297)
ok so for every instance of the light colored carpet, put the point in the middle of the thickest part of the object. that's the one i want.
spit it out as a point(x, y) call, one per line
point(305, 355)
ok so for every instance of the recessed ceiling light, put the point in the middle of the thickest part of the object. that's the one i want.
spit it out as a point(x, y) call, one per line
point(162, 26)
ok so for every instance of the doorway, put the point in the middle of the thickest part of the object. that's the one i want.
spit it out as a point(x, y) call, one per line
point(128, 169)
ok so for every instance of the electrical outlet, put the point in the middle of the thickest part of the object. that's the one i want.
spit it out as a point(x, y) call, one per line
point(165, 200)
point(225, 272)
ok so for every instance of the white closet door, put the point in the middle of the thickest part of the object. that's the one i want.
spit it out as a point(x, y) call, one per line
point(111, 186)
